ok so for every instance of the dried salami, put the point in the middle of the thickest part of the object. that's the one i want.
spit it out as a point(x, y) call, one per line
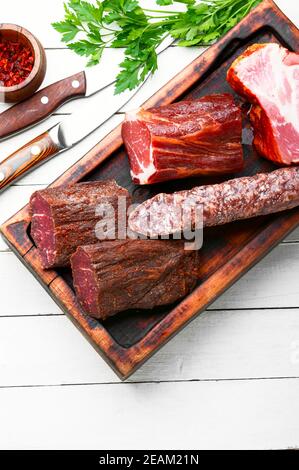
point(240, 198)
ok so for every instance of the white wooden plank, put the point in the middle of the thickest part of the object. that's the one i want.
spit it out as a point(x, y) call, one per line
point(290, 9)
point(219, 345)
point(21, 294)
point(293, 237)
point(273, 283)
point(11, 201)
point(37, 19)
point(193, 415)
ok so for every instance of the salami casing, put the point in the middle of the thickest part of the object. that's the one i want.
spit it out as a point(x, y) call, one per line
point(240, 198)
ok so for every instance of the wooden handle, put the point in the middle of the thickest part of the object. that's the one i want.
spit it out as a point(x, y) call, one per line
point(41, 104)
point(26, 158)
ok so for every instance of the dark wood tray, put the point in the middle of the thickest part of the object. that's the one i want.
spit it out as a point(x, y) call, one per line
point(128, 339)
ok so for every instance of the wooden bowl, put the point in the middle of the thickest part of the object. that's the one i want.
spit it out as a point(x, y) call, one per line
point(26, 88)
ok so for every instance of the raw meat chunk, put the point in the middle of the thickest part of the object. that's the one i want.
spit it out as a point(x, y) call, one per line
point(268, 76)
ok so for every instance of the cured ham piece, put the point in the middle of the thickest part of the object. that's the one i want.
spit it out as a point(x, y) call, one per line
point(113, 276)
point(65, 218)
point(189, 138)
point(268, 76)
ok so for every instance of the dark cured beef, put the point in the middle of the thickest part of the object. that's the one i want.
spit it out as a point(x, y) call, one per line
point(65, 218)
point(189, 138)
point(268, 76)
point(113, 276)
point(240, 198)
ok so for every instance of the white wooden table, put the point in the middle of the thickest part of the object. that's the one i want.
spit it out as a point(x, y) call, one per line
point(229, 380)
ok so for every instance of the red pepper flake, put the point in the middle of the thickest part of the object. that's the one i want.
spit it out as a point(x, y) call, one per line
point(16, 63)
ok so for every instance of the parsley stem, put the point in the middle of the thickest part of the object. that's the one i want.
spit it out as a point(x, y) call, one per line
point(162, 11)
point(235, 13)
point(107, 34)
point(161, 23)
point(133, 20)
point(157, 17)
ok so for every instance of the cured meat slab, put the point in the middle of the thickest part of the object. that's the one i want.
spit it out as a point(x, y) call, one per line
point(113, 276)
point(268, 76)
point(65, 218)
point(189, 138)
point(237, 199)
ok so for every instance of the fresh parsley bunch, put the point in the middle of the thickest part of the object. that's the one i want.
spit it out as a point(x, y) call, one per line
point(88, 28)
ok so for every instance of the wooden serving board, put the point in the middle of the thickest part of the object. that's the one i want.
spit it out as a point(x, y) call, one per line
point(128, 339)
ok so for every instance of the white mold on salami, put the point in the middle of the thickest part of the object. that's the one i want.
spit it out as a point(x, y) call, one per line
point(240, 198)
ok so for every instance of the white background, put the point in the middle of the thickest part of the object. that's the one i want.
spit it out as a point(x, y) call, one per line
point(229, 380)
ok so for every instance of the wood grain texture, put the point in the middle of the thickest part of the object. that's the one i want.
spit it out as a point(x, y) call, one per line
point(34, 80)
point(42, 104)
point(129, 341)
point(12, 269)
point(195, 415)
point(26, 158)
point(220, 345)
point(293, 237)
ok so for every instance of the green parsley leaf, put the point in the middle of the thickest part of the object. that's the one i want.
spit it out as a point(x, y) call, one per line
point(139, 31)
point(68, 30)
point(84, 48)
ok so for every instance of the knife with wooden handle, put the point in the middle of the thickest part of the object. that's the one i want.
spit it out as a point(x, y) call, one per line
point(44, 102)
point(41, 104)
point(68, 132)
point(27, 157)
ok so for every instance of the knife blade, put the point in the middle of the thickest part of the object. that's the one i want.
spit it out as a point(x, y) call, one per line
point(44, 102)
point(67, 133)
